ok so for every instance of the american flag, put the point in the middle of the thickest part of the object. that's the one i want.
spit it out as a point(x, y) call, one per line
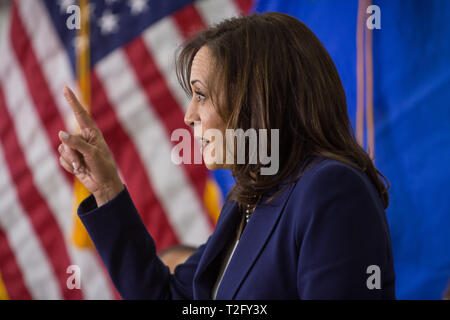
point(136, 102)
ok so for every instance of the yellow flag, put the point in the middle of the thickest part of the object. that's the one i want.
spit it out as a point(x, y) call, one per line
point(3, 292)
point(80, 236)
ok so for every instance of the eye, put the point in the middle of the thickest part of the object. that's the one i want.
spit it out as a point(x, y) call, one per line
point(200, 96)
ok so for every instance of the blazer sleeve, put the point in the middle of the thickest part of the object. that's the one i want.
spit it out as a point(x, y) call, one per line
point(129, 253)
point(343, 231)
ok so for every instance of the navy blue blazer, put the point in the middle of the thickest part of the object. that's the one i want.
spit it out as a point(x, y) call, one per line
point(314, 241)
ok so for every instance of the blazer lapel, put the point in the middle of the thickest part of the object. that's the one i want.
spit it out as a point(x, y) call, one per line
point(252, 241)
point(205, 277)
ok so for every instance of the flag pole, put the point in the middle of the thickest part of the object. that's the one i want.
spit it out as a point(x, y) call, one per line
point(80, 236)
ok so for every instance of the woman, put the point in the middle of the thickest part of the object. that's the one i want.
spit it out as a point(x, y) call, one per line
point(316, 229)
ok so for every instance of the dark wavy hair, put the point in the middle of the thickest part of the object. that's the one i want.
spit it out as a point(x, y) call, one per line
point(271, 72)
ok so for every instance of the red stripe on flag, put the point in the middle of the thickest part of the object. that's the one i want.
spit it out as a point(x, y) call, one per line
point(37, 85)
point(189, 21)
point(132, 168)
point(245, 6)
point(169, 112)
point(10, 272)
point(40, 215)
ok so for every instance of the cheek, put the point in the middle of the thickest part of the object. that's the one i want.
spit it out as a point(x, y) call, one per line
point(211, 119)
point(212, 125)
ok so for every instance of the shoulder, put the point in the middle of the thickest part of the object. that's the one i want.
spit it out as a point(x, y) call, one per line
point(337, 222)
point(334, 191)
point(331, 177)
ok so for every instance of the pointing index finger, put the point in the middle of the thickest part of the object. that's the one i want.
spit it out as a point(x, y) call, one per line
point(82, 116)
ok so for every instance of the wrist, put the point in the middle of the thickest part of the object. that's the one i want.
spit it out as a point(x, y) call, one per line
point(108, 193)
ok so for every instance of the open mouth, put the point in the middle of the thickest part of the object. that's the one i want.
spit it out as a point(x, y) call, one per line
point(204, 142)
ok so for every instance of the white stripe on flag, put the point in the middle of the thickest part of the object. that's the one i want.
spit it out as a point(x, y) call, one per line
point(162, 40)
point(51, 183)
point(134, 111)
point(31, 258)
point(50, 53)
point(33, 141)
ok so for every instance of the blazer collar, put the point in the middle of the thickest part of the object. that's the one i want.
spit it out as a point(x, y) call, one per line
point(252, 241)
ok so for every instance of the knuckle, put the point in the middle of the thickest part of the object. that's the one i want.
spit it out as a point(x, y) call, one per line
point(74, 140)
point(93, 131)
point(65, 158)
point(62, 162)
point(79, 110)
point(63, 151)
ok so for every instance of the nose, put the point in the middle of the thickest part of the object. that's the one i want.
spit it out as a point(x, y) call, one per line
point(190, 117)
point(188, 122)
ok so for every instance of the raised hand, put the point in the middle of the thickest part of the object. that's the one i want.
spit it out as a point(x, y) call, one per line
point(87, 156)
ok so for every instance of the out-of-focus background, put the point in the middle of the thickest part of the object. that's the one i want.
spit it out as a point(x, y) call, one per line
point(121, 64)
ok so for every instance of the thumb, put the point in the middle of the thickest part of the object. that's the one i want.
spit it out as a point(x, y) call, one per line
point(75, 142)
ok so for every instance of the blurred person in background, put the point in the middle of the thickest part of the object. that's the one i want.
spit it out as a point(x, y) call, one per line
point(446, 295)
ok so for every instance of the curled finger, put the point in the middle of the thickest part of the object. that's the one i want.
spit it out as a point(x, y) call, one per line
point(68, 167)
point(76, 166)
point(71, 156)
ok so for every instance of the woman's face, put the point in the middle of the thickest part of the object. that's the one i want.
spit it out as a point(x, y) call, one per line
point(202, 115)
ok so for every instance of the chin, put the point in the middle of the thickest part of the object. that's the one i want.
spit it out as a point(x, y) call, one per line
point(209, 158)
point(214, 166)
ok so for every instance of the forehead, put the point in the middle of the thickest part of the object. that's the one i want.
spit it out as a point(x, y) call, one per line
point(201, 64)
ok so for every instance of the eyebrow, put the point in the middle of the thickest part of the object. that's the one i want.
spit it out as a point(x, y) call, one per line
point(196, 80)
